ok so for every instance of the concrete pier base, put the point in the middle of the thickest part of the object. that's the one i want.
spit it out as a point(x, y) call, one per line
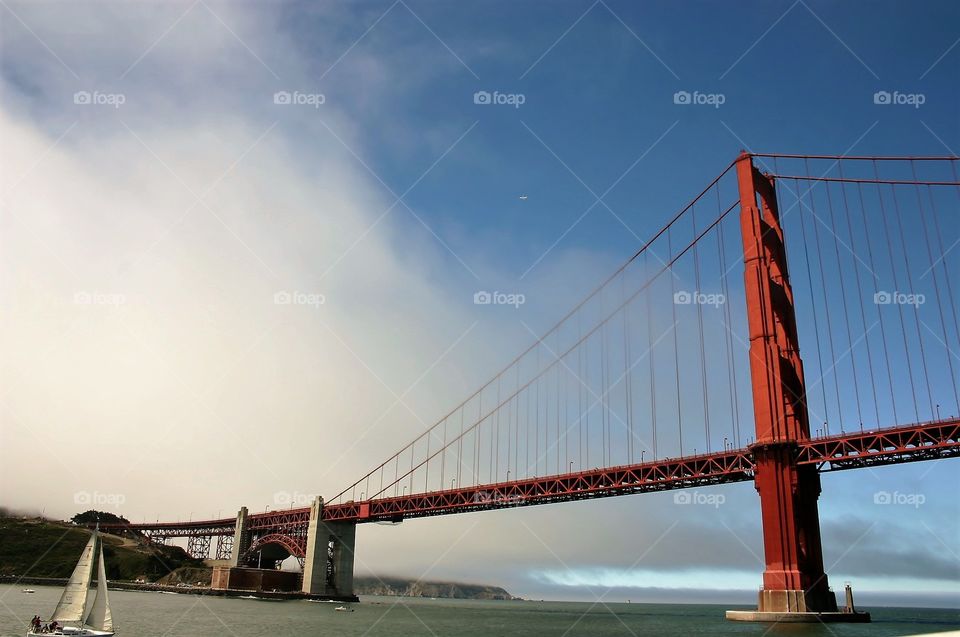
point(796, 617)
point(797, 606)
point(328, 568)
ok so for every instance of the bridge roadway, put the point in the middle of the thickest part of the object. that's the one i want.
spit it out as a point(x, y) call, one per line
point(849, 450)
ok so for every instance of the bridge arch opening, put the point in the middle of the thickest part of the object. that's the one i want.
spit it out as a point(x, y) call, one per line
point(275, 551)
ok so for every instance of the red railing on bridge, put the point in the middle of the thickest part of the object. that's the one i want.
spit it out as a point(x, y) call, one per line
point(925, 441)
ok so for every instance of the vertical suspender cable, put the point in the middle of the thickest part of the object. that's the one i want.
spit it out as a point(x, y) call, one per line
point(936, 285)
point(860, 297)
point(893, 268)
point(943, 260)
point(653, 381)
point(676, 349)
point(559, 371)
point(586, 435)
point(843, 297)
point(580, 387)
point(883, 329)
point(460, 450)
point(916, 311)
point(731, 358)
point(826, 308)
point(627, 366)
point(536, 447)
point(604, 405)
point(516, 417)
point(813, 300)
point(703, 355)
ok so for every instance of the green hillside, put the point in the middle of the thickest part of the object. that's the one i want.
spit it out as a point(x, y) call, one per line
point(33, 547)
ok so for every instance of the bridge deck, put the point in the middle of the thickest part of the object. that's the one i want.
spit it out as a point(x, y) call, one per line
point(849, 450)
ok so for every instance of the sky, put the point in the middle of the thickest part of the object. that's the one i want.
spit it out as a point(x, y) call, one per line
point(169, 169)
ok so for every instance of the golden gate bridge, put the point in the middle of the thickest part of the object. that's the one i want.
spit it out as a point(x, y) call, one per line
point(683, 368)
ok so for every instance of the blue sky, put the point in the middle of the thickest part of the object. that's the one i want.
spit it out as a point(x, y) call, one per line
point(199, 198)
point(600, 99)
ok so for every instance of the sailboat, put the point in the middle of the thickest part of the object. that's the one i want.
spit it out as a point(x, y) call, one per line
point(72, 609)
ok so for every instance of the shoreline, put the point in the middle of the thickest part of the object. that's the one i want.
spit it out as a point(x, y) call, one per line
point(186, 590)
point(59, 582)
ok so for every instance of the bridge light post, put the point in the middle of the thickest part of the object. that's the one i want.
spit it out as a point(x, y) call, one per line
point(453, 481)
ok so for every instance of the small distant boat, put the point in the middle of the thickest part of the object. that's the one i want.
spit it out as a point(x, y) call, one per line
point(72, 608)
point(344, 609)
point(29, 590)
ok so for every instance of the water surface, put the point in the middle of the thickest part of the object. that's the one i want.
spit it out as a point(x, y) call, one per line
point(149, 614)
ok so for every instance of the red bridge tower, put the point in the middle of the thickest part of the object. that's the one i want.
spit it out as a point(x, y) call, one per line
point(794, 583)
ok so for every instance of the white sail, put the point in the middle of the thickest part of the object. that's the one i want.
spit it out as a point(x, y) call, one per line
point(99, 617)
point(74, 598)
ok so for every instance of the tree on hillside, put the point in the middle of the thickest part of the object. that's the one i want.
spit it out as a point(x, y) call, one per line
point(92, 517)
